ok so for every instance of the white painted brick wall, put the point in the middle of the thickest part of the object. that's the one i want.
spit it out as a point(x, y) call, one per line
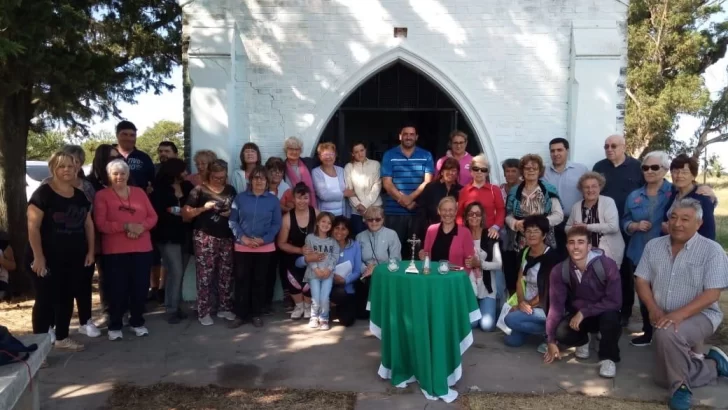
point(509, 57)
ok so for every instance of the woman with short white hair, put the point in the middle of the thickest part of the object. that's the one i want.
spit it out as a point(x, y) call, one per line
point(124, 216)
point(296, 169)
point(598, 213)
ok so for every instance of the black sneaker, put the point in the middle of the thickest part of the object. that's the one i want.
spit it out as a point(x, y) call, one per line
point(257, 322)
point(625, 321)
point(642, 341)
point(181, 314)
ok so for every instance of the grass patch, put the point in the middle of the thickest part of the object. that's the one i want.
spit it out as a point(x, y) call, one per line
point(556, 401)
point(169, 396)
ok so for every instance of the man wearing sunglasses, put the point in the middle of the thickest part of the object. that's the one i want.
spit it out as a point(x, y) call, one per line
point(622, 172)
point(564, 175)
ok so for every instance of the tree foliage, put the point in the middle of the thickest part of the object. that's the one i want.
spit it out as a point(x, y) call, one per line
point(670, 44)
point(41, 145)
point(714, 126)
point(161, 131)
point(67, 61)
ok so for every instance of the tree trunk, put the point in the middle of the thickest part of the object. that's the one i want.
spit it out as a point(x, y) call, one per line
point(15, 115)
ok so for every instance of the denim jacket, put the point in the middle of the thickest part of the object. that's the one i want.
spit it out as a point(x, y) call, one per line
point(636, 208)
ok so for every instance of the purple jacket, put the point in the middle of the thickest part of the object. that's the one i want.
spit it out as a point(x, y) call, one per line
point(591, 298)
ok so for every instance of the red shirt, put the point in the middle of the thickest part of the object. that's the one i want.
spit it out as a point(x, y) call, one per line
point(111, 213)
point(490, 197)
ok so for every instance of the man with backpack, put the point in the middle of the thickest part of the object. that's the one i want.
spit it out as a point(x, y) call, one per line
point(585, 295)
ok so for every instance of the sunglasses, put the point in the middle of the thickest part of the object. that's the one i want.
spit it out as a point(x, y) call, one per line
point(478, 169)
point(374, 220)
point(646, 168)
point(474, 215)
point(612, 146)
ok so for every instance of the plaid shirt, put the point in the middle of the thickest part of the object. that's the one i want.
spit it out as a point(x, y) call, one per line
point(700, 265)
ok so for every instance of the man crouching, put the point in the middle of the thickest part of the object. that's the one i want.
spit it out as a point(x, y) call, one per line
point(585, 295)
point(679, 279)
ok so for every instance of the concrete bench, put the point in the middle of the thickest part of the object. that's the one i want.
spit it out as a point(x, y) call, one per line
point(19, 385)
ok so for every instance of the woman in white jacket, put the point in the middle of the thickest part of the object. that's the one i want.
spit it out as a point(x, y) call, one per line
point(362, 177)
point(599, 214)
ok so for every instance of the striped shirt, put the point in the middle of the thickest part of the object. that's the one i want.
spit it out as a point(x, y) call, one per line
point(407, 174)
point(700, 265)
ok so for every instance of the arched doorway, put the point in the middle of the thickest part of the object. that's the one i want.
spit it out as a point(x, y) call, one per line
point(376, 110)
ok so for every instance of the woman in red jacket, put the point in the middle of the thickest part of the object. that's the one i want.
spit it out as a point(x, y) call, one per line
point(486, 194)
point(448, 240)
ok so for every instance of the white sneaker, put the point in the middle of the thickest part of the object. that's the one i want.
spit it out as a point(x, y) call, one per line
point(298, 311)
point(52, 332)
point(307, 311)
point(324, 325)
point(313, 323)
point(68, 344)
point(206, 320)
point(115, 335)
point(141, 331)
point(89, 329)
point(226, 315)
point(582, 352)
point(607, 369)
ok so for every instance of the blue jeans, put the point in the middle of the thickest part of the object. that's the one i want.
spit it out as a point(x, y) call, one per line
point(320, 292)
point(500, 288)
point(488, 310)
point(522, 325)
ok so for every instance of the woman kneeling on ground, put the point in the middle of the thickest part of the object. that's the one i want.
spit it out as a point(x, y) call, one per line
point(537, 259)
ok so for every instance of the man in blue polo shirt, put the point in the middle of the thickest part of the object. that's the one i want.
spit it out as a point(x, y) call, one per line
point(406, 169)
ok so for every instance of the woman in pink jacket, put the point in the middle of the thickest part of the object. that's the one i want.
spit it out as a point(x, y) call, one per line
point(448, 240)
point(124, 216)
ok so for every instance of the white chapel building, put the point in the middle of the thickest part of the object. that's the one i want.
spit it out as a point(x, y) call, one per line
point(512, 74)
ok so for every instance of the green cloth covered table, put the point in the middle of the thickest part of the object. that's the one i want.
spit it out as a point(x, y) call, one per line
point(423, 322)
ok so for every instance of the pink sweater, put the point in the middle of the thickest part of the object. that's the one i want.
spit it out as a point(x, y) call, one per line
point(461, 247)
point(111, 213)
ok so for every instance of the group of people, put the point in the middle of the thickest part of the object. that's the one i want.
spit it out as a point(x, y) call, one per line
point(564, 242)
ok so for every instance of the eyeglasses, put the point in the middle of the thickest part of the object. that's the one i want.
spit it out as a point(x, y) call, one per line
point(259, 178)
point(377, 220)
point(276, 172)
point(681, 171)
point(458, 143)
point(653, 167)
point(612, 146)
point(479, 169)
point(474, 215)
point(533, 232)
point(531, 169)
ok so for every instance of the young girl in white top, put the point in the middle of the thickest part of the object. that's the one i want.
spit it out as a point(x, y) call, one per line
point(320, 268)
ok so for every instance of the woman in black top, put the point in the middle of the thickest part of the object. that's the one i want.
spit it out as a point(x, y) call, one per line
point(296, 224)
point(209, 206)
point(445, 185)
point(61, 235)
point(170, 235)
point(98, 177)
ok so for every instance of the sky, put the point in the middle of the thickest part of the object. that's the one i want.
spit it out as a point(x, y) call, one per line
point(150, 108)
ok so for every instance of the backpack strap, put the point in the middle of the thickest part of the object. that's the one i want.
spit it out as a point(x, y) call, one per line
point(566, 274)
point(599, 270)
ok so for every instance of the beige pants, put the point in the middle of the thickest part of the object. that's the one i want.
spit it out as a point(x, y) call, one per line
point(675, 365)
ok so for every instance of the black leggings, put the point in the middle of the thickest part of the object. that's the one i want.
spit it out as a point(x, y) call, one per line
point(292, 276)
point(54, 296)
point(250, 270)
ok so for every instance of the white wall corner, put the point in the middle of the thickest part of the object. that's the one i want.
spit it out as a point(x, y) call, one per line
point(594, 77)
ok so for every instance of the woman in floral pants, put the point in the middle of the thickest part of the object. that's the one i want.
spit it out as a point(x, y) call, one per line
point(209, 206)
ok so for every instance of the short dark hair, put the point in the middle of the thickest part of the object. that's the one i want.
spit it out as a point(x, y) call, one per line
point(532, 158)
point(342, 220)
point(450, 163)
point(537, 221)
point(125, 125)
point(301, 189)
point(579, 230)
point(559, 141)
point(681, 160)
point(511, 163)
point(408, 125)
point(170, 170)
point(253, 146)
point(169, 144)
point(275, 163)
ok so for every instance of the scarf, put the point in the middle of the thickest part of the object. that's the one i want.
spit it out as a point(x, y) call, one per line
point(305, 178)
